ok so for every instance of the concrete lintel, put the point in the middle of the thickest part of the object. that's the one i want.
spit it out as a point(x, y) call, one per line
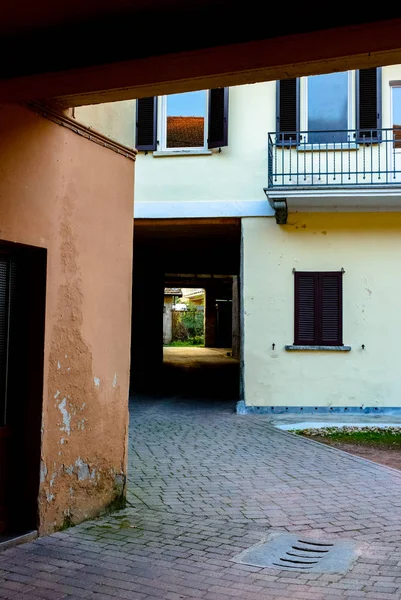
point(202, 209)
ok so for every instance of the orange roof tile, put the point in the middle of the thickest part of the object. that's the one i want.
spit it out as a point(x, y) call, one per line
point(185, 132)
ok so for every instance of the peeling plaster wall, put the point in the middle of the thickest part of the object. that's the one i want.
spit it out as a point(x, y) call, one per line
point(75, 198)
point(367, 246)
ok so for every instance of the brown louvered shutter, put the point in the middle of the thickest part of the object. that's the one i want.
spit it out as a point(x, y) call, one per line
point(287, 111)
point(330, 301)
point(318, 309)
point(306, 308)
point(368, 103)
point(146, 124)
point(218, 118)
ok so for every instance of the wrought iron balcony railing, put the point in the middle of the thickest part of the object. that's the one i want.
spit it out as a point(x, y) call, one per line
point(334, 158)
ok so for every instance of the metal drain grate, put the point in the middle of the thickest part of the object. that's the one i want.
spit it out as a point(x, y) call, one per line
point(304, 555)
point(288, 552)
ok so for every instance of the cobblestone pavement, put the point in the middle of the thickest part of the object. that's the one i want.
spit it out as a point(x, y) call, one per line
point(204, 485)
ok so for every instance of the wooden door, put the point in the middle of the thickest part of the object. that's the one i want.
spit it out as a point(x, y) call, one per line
point(7, 293)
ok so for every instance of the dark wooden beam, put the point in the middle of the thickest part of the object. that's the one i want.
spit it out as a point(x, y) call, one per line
point(342, 48)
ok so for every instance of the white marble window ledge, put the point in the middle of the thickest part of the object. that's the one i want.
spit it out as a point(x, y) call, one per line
point(293, 347)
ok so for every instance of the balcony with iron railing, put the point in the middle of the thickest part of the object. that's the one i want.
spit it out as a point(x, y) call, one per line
point(353, 168)
point(337, 158)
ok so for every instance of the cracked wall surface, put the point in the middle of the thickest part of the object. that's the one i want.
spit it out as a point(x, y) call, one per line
point(62, 192)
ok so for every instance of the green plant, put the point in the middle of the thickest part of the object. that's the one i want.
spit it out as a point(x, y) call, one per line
point(192, 319)
point(188, 326)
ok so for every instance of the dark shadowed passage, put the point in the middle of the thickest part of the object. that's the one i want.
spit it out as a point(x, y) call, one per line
point(200, 372)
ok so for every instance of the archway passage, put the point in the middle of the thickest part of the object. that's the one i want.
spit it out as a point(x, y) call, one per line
point(171, 256)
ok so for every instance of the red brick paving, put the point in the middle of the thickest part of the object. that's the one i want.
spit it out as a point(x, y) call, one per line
point(204, 485)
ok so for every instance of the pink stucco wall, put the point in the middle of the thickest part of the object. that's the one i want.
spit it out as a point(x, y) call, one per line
point(73, 197)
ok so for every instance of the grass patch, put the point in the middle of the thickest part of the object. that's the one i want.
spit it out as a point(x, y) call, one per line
point(366, 436)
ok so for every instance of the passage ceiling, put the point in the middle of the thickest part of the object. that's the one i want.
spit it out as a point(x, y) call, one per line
point(97, 50)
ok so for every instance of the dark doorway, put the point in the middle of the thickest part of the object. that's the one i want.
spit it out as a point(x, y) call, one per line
point(178, 255)
point(224, 321)
point(22, 318)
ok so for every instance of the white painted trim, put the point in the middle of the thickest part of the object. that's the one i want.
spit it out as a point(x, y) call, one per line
point(385, 199)
point(203, 209)
point(397, 151)
point(341, 208)
point(333, 192)
point(181, 152)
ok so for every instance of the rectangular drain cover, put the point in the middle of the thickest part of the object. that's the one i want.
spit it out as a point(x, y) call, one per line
point(292, 553)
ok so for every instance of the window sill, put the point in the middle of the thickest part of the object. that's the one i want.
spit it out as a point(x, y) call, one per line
point(323, 147)
point(291, 348)
point(161, 153)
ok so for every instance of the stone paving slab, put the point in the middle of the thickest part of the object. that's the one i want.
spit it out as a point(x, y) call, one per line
point(204, 485)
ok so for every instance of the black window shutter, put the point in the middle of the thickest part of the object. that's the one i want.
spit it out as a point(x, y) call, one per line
point(218, 118)
point(146, 124)
point(368, 103)
point(287, 111)
point(330, 300)
point(306, 309)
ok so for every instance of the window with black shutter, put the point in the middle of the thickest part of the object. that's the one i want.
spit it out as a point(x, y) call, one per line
point(189, 122)
point(218, 118)
point(146, 124)
point(287, 112)
point(325, 103)
point(318, 309)
point(368, 102)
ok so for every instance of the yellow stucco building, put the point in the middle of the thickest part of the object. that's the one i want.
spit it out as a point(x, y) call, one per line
point(293, 190)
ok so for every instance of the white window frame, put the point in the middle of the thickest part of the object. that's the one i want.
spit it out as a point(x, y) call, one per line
point(351, 117)
point(396, 84)
point(393, 153)
point(163, 129)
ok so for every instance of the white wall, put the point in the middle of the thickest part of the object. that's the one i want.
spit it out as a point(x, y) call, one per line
point(368, 247)
point(392, 73)
point(114, 119)
point(238, 173)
